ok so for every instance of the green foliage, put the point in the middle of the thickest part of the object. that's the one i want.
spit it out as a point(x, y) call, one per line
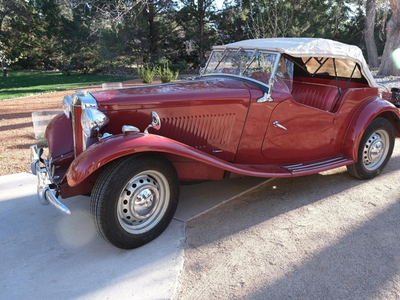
point(166, 75)
point(84, 62)
point(26, 83)
point(148, 73)
point(51, 34)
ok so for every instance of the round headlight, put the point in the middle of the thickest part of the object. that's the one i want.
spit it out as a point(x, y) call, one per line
point(93, 121)
point(67, 106)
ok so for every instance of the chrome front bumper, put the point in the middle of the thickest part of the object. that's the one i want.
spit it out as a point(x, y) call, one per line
point(46, 188)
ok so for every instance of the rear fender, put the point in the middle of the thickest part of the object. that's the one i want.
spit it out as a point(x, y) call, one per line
point(371, 109)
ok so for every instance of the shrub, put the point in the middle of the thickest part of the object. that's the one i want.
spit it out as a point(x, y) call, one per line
point(166, 75)
point(147, 73)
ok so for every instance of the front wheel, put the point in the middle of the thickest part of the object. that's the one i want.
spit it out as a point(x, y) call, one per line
point(134, 200)
point(375, 149)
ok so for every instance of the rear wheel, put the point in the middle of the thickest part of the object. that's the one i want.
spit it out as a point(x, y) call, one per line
point(134, 200)
point(375, 149)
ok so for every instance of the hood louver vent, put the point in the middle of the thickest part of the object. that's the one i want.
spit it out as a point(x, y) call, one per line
point(199, 130)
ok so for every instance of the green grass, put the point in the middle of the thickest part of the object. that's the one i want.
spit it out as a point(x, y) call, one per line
point(26, 83)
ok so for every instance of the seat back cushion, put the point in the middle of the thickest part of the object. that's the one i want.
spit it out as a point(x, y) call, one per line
point(320, 96)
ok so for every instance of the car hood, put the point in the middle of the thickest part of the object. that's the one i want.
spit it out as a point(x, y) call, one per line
point(195, 92)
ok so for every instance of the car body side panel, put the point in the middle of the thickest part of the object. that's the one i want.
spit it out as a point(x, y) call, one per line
point(301, 141)
point(207, 114)
point(212, 129)
point(258, 119)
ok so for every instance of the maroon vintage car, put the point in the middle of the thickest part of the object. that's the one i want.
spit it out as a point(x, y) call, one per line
point(279, 107)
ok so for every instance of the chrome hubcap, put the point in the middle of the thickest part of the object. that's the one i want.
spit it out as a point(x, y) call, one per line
point(375, 150)
point(143, 202)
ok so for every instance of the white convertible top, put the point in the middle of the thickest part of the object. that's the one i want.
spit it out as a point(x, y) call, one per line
point(307, 47)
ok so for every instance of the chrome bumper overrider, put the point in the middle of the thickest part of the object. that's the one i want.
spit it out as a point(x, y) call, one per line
point(46, 188)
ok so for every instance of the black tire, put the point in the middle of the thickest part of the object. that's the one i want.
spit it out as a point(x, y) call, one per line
point(375, 149)
point(134, 199)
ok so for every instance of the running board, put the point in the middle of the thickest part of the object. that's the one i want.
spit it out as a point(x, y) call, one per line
point(318, 166)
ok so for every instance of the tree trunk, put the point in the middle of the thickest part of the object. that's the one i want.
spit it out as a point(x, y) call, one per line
point(201, 9)
point(3, 60)
point(153, 32)
point(388, 66)
point(369, 35)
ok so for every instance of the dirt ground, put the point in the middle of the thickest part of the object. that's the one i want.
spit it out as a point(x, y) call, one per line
point(324, 236)
point(16, 126)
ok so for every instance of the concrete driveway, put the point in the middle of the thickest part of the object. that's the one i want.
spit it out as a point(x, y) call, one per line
point(45, 255)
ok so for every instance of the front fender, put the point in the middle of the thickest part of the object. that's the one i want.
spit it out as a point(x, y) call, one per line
point(371, 109)
point(107, 150)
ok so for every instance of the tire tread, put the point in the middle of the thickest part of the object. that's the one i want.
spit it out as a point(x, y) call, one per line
point(99, 199)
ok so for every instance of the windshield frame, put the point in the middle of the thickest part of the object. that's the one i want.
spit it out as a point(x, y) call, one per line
point(250, 60)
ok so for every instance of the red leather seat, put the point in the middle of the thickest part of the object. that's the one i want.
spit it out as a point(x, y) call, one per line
point(320, 96)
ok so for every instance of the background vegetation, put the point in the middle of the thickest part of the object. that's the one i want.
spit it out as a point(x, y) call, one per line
point(113, 35)
point(26, 83)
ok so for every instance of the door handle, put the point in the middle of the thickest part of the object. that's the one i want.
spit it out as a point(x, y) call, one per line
point(276, 124)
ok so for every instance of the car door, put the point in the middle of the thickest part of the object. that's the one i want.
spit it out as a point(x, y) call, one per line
point(298, 133)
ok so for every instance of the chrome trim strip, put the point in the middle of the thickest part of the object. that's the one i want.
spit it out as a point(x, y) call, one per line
point(301, 167)
point(217, 151)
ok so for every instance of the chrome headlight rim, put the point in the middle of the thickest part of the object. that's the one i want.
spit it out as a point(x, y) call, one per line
point(93, 121)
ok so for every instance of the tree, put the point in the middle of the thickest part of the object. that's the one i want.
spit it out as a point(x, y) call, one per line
point(153, 14)
point(9, 9)
point(281, 18)
point(388, 67)
point(369, 34)
point(194, 18)
point(85, 35)
point(231, 23)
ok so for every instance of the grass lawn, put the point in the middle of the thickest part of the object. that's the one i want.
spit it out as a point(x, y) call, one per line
point(26, 83)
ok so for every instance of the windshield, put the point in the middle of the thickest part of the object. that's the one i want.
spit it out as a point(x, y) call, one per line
point(247, 63)
point(254, 64)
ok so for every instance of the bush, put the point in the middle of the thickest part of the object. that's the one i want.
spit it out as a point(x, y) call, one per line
point(166, 75)
point(147, 73)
